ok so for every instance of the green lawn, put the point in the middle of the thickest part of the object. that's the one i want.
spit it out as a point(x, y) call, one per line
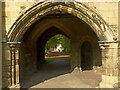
point(48, 59)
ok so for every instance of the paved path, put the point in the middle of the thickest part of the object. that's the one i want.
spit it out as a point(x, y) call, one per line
point(56, 75)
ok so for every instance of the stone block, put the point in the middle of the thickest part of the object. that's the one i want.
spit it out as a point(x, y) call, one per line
point(113, 21)
point(108, 81)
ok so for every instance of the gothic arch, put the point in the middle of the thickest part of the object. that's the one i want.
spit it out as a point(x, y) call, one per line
point(48, 25)
point(38, 11)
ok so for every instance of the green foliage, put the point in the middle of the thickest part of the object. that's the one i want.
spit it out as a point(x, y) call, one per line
point(58, 39)
point(48, 59)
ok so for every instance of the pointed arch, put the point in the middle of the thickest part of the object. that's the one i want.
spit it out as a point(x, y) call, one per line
point(38, 11)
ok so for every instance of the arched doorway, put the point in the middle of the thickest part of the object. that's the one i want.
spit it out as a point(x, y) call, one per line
point(86, 56)
point(30, 26)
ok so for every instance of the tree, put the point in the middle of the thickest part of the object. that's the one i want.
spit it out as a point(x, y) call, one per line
point(58, 39)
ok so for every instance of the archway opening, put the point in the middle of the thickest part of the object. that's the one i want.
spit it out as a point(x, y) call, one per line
point(53, 43)
point(86, 56)
point(57, 47)
point(48, 57)
point(36, 56)
point(81, 25)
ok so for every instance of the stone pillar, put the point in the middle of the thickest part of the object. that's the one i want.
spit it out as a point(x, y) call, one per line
point(17, 66)
point(14, 64)
point(12, 67)
point(75, 56)
point(119, 44)
point(109, 64)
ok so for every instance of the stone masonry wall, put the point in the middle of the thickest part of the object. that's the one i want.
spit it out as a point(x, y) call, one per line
point(13, 10)
point(119, 45)
point(108, 10)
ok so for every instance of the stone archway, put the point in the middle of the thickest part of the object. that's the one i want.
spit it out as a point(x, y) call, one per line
point(36, 14)
point(41, 42)
point(32, 53)
point(32, 47)
point(95, 21)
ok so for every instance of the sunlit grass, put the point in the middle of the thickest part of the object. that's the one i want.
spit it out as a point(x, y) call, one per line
point(48, 59)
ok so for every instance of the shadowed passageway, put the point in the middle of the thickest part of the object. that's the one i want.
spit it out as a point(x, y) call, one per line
point(57, 74)
point(48, 70)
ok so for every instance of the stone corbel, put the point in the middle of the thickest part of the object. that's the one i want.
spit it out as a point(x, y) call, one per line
point(103, 44)
point(13, 44)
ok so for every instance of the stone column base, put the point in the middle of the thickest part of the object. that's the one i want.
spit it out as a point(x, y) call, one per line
point(108, 81)
point(76, 70)
point(15, 87)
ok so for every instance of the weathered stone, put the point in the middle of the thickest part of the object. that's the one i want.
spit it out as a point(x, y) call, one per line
point(75, 20)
